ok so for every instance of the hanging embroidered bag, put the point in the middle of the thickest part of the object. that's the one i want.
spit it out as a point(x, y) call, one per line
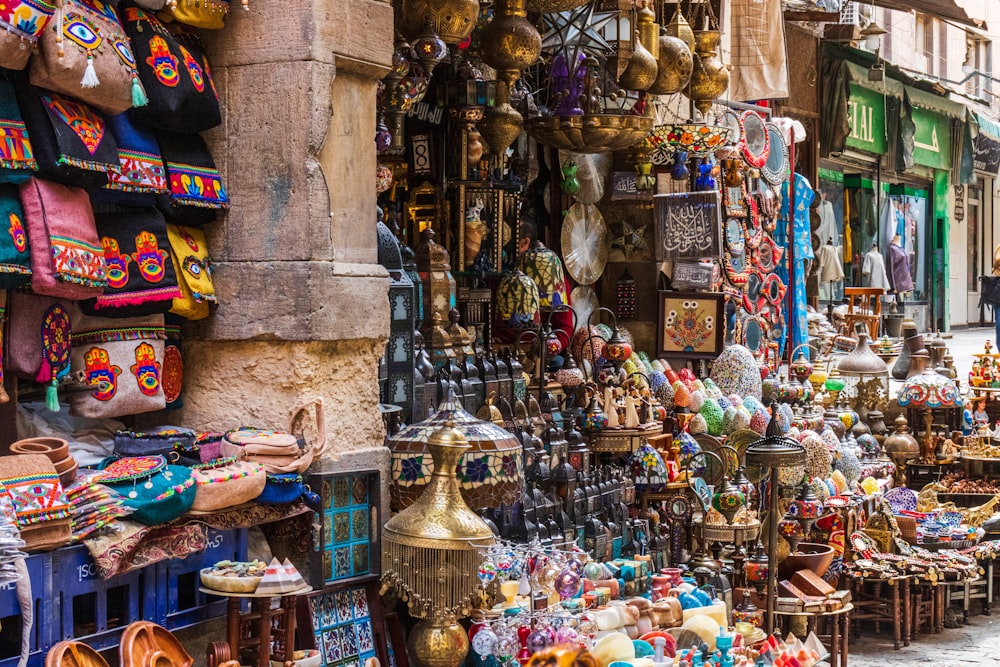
point(189, 253)
point(23, 21)
point(142, 175)
point(196, 192)
point(71, 140)
point(175, 73)
point(122, 359)
point(85, 53)
point(141, 278)
point(17, 157)
point(38, 340)
point(157, 491)
point(207, 14)
point(67, 260)
point(15, 258)
point(226, 483)
point(40, 505)
point(279, 452)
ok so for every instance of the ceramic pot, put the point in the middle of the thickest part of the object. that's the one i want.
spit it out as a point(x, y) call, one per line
point(911, 345)
point(667, 612)
point(56, 449)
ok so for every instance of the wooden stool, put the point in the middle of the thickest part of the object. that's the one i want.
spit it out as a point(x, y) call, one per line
point(864, 305)
point(884, 601)
point(923, 599)
point(266, 633)
point(836, 641)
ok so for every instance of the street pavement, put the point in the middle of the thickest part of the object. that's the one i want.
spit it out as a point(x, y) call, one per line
point(977, 643)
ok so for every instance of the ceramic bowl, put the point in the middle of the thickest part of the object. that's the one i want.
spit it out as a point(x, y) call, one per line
point(228, 584)
point(56, 449)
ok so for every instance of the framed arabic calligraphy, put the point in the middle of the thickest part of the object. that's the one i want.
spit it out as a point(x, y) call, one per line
point(688, 225)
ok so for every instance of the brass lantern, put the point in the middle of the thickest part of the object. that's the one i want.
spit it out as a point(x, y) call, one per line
point(431, 553)
point(710, 76)
point(452, 20)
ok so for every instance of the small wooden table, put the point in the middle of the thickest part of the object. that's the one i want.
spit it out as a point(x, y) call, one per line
point(253, 630)
point(840, 623)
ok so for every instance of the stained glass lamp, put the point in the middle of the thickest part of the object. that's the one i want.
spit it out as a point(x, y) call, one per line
point(545, 269)
point(518, 300)
point(927, 390)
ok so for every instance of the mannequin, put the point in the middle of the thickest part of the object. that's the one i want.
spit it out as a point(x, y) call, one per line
point(899, 267)
point(830, 267)
point(827, 220)
point(873, 269)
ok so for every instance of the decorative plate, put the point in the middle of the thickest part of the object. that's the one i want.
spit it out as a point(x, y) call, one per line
point(901, 499)
point(584, 243)
point(735, 238)
point(775, 169)
point(710, 443)
point(755, 143)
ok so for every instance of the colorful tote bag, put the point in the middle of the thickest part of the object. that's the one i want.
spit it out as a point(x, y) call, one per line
point(142, 174)
point(196, 189)
point(24, 21)
point(40, 504)
point(86, 54)
point(122, 359)
point(71, 140)
point(67, 260)
point(156, 491)
point(189, 253)
point(141, 278)
point(15, 257)
point(38, 340)
point(175, 73)
point(17, 157)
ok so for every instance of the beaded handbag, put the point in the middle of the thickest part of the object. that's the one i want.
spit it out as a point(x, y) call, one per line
point(157, 491)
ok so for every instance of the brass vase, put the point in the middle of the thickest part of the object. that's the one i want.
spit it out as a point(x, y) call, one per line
point(710, 76)
point(673, 66)
point(438, 642)
point(649, 29)
point(641, 71)
point(453, 20)
point(501, 123)
point(901, 446)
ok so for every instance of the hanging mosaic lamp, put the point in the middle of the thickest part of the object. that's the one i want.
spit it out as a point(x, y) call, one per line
point(452, 20)
point(491, 471)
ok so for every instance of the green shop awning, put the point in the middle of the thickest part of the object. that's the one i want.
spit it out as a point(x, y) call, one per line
point(918, 98)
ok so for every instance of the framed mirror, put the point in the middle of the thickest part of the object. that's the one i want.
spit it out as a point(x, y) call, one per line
point(765, 255)
point(775, 168)
point(754, 285)
point(735, 239)
point(773, 289)
point(753, 334)
point(755, 143)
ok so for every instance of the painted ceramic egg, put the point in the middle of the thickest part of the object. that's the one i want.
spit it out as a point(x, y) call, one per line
point(848, 464)
point(817, 456)
point(759, 421)
point(711, 389)
point(736, 372)
point(742, 418)
point(831, 439)
point(697, 400)
point(728, 417)
point(697, 425)
point(712, 414)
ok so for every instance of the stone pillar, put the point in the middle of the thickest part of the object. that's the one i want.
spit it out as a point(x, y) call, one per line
point(303, 302)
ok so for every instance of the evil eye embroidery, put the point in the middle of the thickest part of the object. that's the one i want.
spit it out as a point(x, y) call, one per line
point(163, 62)
point(190, 241)
point(117, 263)
point(193, 69)
point(80, 30)
point(149, 257)
point(100, 372)
point(196, 267)
point(124, 52)
point(17, 235)
point(146, 369)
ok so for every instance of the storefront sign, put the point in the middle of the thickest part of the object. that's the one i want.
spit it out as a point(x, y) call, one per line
point(932, 139)
point(866, 116)
point(959, 213)
point(986, 153)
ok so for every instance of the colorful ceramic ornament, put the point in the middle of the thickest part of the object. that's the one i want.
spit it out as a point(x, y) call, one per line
point(817, 455)
point(847, 463)
point(712, 414)
point(696, 401)
point(728, 419)
point(711, 389)
point(742, 418)
point(648, 469)
point(736, 371)
point(759, 421)
point(697, 425)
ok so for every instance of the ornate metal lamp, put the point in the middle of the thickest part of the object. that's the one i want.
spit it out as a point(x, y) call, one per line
point(866, 378)
point(773, 452)
point(431, 553)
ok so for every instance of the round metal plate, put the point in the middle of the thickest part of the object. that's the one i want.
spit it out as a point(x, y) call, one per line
point(584, 243)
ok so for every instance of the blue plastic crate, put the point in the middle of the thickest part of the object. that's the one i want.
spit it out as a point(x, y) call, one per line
point(93, 610)
point(179, 603)
point(39, 571)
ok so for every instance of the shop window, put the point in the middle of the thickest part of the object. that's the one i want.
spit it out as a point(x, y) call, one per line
point(904, 220)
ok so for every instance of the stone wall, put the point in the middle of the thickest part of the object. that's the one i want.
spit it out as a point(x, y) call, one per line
point(303, 302)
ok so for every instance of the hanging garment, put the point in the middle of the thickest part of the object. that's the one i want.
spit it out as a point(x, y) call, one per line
point(827, 229)
point(899, 269)
point(848, 233)
point(830, 267)
point(873, 270)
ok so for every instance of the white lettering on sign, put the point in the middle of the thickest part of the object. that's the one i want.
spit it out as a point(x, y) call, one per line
point(933, 146)
point(214, 540)
point(86, 571)
point(861, 118)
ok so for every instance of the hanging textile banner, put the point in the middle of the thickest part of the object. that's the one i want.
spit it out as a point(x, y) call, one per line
point(759, 65)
